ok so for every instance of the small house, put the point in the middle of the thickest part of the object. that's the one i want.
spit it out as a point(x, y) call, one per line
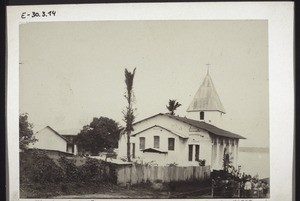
point(49, 139)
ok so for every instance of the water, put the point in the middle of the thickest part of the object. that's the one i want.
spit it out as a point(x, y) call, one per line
point(255, 163)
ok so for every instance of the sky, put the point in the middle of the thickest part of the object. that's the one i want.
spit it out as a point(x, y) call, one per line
point(71, 72)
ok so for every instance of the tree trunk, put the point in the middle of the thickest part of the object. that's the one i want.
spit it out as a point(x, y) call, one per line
point(128, 146)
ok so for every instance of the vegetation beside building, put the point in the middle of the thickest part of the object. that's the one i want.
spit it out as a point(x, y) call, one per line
point(42, 176)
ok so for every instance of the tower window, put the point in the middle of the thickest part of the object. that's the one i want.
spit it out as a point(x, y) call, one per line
point(201, 115)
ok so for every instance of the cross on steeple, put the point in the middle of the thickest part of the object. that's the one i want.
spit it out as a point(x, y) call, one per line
point(208, 65)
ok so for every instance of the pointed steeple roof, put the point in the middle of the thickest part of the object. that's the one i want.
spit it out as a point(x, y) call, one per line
point(206, 98)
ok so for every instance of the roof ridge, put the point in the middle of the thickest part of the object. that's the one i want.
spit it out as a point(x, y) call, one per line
point(55, 133)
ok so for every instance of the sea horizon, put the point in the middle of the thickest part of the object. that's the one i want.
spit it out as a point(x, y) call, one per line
point(255, 160)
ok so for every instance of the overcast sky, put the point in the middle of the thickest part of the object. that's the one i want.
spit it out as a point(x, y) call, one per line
point(71, 72)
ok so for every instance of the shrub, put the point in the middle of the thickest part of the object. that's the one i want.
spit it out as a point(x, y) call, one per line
point(37, 167)
point(71, 171)
point(201, 162)
point(97, 171)
point(172, 164)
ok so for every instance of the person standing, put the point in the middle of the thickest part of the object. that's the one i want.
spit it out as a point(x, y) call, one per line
point(242, 189)
point(260, 189)
point(247, 188)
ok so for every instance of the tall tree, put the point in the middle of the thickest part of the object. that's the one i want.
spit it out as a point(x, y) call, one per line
point(172, 106)
point(100, 135)
point(25, 132)
point(129, 115)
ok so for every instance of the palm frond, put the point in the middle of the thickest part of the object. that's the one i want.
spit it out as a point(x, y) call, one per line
point(172, 106)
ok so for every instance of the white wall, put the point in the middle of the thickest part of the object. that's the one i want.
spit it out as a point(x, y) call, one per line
point(210, 117)
point(69, 149)
point(49, 140)
point(171, 156)
point(218, 152)
point(196, 136)
point(75, 149)
point(202, 139)
point(180, 154)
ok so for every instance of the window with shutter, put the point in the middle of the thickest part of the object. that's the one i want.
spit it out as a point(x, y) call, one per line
point(142, 142)
point(190, 152)
point(171, 144)
point(197, 152)
point(156, 142)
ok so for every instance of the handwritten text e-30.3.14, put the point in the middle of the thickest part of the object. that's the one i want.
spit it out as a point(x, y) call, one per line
point(35, 14)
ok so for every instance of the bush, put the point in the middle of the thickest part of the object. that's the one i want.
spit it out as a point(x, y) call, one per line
point(37, 167)
point(71, 172)
point(97, 171)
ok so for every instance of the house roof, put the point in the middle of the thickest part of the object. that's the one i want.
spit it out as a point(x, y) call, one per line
point(56, 133)
point(71, 131)
point(175, 133)
point(206, 98)
point(199, 124)
point(208, 127)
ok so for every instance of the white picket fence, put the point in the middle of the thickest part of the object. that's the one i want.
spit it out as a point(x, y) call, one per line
point(134, 174)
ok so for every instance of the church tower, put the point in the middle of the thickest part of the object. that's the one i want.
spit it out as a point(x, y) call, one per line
point(206, 105)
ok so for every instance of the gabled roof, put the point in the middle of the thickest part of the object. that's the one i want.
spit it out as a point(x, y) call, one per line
point(206, 98)
point(55, 133)
point(208, 127)
point(70, 131)
point(175, 133)
point(199, 124)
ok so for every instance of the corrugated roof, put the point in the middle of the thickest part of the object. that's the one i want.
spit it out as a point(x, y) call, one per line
point(199, 124)
point(206, 98)
point(208, 127)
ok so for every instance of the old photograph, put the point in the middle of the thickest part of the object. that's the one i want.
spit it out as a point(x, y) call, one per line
point(150, 101)
point(144, 109)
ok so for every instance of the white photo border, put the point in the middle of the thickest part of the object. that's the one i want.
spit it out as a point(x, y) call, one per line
point(281, 72)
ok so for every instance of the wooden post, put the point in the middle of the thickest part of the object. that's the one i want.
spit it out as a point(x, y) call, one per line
point(212, 190)
point(239, 189)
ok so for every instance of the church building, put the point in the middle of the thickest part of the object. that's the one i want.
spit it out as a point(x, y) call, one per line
point(165, 139)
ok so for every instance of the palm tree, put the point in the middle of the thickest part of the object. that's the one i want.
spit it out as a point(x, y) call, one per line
point(227, 159)
point(173, 105)
point(129, 113)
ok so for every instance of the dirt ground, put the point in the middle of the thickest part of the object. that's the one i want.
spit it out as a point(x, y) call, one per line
point(106, 190)
point(142, 192)
point(132, 193)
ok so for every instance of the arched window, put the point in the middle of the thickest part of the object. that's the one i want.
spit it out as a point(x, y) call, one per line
point(201, 115)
